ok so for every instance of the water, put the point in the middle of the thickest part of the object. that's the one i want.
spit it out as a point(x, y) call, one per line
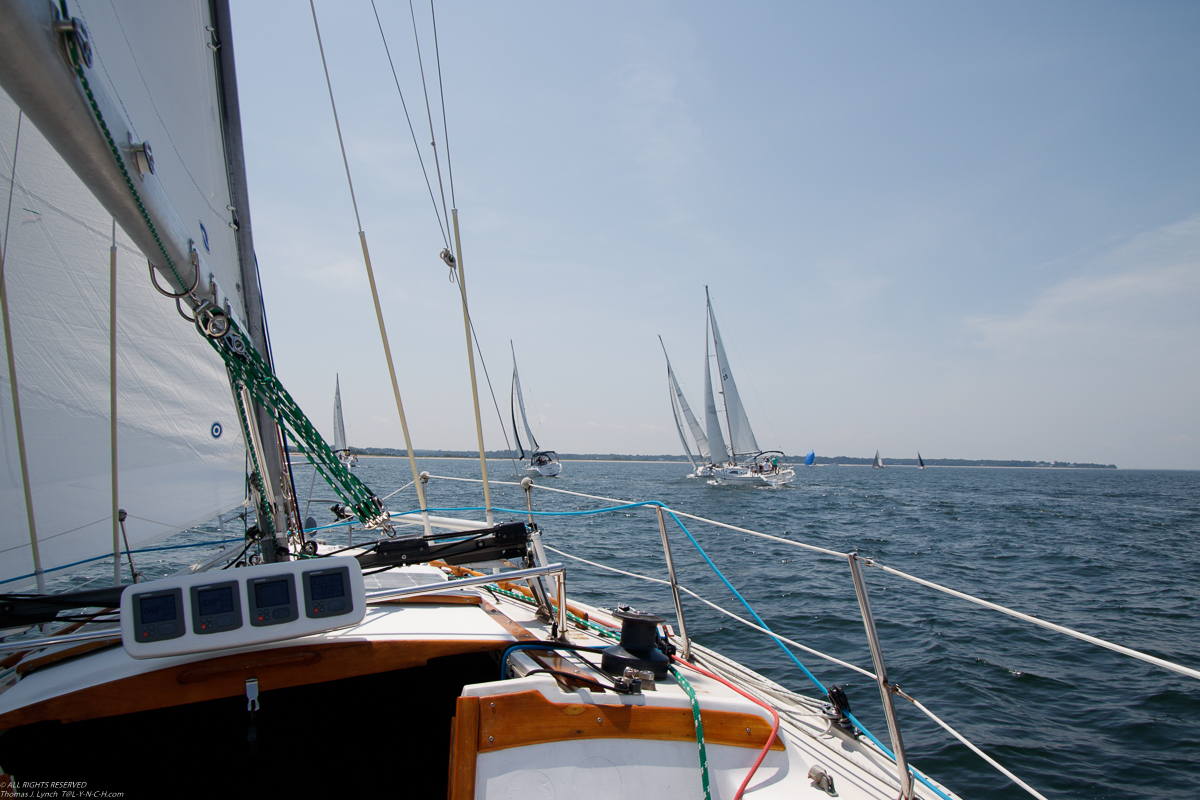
point(1106, 552)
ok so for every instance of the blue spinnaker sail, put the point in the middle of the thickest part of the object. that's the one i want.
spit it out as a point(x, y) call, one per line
point(810, 458)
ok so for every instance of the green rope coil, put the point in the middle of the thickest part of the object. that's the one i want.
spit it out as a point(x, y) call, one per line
point(248, 368)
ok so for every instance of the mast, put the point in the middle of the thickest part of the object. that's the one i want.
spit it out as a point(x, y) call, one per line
point(256, 313)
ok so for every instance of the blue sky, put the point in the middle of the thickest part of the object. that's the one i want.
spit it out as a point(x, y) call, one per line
point(963, 229)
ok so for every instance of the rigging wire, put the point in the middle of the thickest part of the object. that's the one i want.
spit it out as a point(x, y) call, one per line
point(442, 99)
point(441, 225)
point(428, 113)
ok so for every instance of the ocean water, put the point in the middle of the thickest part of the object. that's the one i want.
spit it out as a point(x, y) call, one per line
point(1109, 553)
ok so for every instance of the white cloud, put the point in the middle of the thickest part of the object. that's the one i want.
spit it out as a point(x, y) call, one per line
point(1147, 289)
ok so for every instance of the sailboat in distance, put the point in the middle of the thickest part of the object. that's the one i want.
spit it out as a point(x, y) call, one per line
point(539, 462)
point(878, 463)
point(340, 449)
point(920, 461)
point(747, 464)
point(683, 413)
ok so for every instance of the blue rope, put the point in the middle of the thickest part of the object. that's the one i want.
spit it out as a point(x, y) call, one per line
point(654, 503)
point(540, 646)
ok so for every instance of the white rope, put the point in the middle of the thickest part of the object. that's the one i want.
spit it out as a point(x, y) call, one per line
point(401, 489)
point(784, 639)
point(1182, 670)
point(975, 749)
point(1169, 665)
point(602, 566)
point(730, 614)
point(764, 535)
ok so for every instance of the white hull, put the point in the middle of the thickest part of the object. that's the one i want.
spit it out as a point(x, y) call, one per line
point(743, 476)
point(543, 470)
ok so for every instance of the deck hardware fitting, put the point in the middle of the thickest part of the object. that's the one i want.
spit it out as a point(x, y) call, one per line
point(822, 780)
point(143, 157)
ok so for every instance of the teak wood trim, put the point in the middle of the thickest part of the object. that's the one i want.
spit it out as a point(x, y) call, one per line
point(463, 749)
point(526, 718)
point(510, 625)
point(513, 586)
point(226, 676)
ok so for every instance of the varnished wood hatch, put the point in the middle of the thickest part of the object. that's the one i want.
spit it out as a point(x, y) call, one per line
point(500, 721)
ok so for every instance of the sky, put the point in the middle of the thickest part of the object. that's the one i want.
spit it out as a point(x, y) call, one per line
point(968, 230)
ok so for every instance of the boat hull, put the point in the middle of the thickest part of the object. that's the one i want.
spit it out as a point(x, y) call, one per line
point(543, 470)
point(741, 476)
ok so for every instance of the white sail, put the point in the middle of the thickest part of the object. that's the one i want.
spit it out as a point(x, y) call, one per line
point(712, 422)
point(683, 413)
point(520, 401)
point(181, 453)
point(339, 427)
point(741, 437)
point(878, 462)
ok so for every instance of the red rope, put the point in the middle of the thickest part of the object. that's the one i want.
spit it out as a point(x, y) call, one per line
point(774, 730)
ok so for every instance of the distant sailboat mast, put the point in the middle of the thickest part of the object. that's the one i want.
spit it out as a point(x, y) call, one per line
point(920, 461)
point(741, 437)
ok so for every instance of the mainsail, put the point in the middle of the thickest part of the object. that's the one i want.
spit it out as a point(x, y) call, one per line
point(518, 401)
point(181, 455)
point(712, 422)
point(741, 437)
point(339, 427)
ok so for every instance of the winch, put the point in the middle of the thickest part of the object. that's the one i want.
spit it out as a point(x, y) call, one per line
point(638, 649)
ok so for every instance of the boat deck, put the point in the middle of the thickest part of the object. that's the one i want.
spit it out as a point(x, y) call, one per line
point(433, 662)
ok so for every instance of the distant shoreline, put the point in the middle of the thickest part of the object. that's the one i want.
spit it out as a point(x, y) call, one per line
point(796, 460)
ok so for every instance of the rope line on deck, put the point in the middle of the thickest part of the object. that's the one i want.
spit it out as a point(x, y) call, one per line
point(716, 607)
point(691, 693)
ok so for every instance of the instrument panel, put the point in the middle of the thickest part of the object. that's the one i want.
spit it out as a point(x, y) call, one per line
point(240, 607)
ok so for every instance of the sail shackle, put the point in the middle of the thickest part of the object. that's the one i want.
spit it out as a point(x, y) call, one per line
point(85, 126)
